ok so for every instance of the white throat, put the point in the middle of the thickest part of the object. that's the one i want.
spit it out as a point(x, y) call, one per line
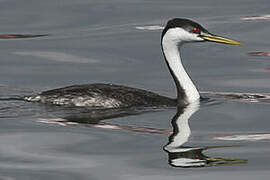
point(170, 43)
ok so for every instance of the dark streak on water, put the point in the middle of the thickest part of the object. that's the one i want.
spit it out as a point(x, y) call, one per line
point(259, 53)
point(20, 36)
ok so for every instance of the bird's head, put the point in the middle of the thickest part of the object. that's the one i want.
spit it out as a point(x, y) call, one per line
point(181, 31)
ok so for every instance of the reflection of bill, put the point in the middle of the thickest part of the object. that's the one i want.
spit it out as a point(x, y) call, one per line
point(183, 156)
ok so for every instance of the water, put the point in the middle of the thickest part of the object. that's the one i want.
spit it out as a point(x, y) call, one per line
point(99, 41)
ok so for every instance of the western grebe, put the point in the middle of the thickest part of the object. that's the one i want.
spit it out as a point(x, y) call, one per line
point(175, 34)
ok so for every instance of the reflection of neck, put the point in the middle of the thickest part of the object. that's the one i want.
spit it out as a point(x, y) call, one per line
point(186, 90)
point(181, 130)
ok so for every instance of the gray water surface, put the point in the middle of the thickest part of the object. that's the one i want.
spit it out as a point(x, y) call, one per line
point(99, 41)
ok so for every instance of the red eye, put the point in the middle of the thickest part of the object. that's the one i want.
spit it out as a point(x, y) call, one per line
point(196, 30)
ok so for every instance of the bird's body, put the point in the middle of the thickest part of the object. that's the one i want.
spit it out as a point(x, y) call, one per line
point(102, 96)
point(175, 34)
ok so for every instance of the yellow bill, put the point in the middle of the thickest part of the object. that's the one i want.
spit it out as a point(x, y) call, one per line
point(218, 39)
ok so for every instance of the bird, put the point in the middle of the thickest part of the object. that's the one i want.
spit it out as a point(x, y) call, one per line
point(177, 32)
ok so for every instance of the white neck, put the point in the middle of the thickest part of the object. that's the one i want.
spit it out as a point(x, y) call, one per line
point(172, 55)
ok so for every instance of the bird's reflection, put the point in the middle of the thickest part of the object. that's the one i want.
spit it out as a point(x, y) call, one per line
point(179, 155)
point(184, 156)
